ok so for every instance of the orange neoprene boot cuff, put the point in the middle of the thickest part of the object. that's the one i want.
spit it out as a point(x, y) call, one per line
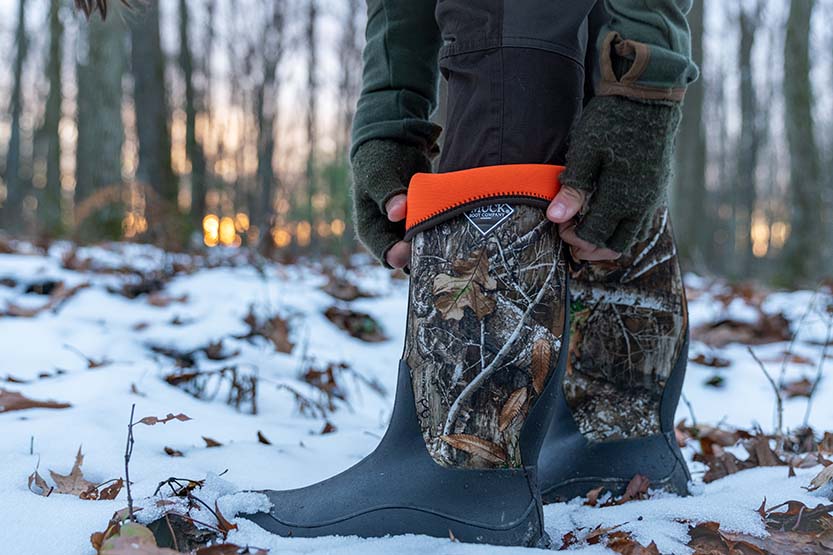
point(433, 197)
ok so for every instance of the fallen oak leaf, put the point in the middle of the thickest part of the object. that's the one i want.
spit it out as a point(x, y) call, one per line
point(262, 438)
point(13, 400)
point(153, 420)
point(171, 452)
point(73, 483)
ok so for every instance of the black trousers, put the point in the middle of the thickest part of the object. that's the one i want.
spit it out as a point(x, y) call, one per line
point(518, 73)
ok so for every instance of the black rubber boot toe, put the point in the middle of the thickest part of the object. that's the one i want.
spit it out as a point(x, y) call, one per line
point(399, 489)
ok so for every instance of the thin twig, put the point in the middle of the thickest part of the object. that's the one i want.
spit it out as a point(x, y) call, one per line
point(128, 451)
point(779, 400)
point(819, 372)
point(788, 354)
point(690, 409)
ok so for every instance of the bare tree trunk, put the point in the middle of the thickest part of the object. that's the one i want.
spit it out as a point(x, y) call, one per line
point(689, 196)
point(192, 147)
point(749, 145)
point(802, 253)
point(266, 98)
point(15, 193)
point(151, 105)
point(100, 128)
point(312, 108)
point(49, 139)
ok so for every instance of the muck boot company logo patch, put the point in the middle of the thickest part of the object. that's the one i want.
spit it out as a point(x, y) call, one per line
point(487, 218)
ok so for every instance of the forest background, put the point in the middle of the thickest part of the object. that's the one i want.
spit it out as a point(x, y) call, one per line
point(204, 123)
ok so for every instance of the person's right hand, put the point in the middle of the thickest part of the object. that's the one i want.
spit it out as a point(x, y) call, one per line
point(382, 170)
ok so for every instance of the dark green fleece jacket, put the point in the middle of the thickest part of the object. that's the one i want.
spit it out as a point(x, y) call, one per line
point(649, 38)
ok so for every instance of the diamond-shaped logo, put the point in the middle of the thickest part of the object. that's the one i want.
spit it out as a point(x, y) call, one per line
point(487, 218)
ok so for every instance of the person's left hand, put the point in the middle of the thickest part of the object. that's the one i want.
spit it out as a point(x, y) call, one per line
point(617, 175)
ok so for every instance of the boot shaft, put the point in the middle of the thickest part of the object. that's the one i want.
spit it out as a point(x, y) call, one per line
point(487, 315)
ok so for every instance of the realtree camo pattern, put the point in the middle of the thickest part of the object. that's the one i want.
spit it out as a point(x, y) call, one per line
point(484, 333)
point(629, 320)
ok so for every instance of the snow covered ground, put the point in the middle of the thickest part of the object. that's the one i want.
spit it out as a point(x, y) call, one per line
point(101, 352)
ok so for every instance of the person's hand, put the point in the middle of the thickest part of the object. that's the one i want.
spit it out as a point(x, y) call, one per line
point(616, 177)
point(399, 254)
point(382, 170)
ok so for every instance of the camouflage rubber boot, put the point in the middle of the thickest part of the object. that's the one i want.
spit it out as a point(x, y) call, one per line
point(628, 354)
point(478, 380)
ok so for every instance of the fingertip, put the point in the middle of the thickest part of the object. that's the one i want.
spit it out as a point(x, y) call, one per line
point(564, 207)
point(397, 208)
point(399, 255)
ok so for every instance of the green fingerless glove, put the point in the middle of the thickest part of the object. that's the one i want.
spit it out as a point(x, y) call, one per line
point(382, 169)
point(621, 155)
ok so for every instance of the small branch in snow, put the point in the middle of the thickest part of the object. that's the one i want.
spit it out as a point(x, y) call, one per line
point(128, 452)
point(819, 372)
point(779, 400)
point(690, 410)
point(789, 353)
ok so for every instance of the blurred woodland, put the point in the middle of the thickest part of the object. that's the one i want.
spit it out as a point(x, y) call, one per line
point(204, 123)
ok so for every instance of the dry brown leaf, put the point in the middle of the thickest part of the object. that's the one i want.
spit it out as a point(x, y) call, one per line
point(711, 361)
point(153, 420)
point(513, 408)
point(636, 490)
point(262, 438)
point(708, 539)
point(211, 442)
point(161, 300)
point(133, 539)
point(541, 354)
point(798, 388)
point(593, 496)
point(275, 329)
point(73, 483)
point(171, 452)
point(37, 480)
point(12, 400)
point(112, 491)
point(59, 295)
point(824, 477)
point(358, 324)
point(328, 428)
point(769, 328)
point(222, 523)
point(477, 446)
point(624, 544)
